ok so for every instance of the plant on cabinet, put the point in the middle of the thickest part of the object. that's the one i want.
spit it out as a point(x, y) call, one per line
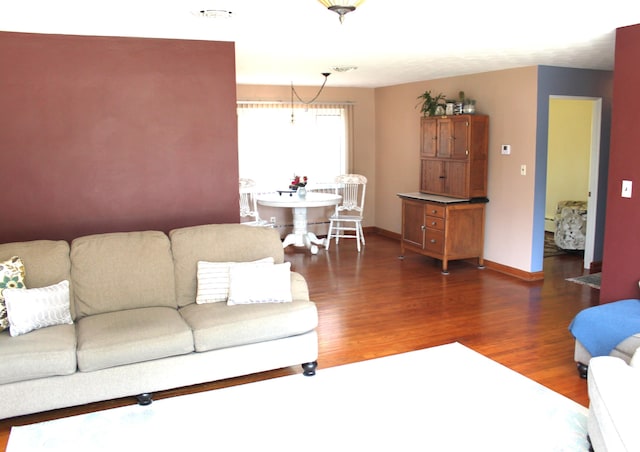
point(430, 103)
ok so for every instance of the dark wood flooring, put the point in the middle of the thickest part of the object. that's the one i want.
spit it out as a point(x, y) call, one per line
point(373, 304)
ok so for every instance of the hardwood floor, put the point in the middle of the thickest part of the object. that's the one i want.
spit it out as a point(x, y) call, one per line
point(373, 304)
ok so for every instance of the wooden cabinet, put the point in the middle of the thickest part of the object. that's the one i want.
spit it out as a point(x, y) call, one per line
point(453, 155)
point(442, 230)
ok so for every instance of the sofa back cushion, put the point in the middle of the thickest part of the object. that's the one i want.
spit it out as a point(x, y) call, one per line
point(122, 270)
point(218, 243)
point(46, 262)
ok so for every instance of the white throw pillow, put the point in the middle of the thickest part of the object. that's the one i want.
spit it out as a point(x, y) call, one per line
point(31, 309)
point(213, 279)
point(260, 284)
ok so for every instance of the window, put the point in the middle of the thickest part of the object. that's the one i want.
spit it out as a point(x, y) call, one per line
point(272, 148)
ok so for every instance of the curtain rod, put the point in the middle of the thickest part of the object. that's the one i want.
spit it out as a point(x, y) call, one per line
point(283, 102)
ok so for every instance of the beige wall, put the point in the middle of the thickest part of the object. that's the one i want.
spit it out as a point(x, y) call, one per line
point(509, 98)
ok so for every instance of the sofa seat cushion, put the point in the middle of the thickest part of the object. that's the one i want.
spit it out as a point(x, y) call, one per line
point(130, 336)
point(42, 353)
point(217, 325)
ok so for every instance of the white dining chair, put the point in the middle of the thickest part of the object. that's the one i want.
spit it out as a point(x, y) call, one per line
point(346, 222)
point(248, 204)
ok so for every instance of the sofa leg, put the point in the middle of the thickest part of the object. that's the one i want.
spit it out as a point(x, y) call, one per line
point(145, 399)
point(309, 369)
point(582, 370)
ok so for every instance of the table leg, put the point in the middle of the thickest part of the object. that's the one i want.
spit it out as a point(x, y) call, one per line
point(300, 236)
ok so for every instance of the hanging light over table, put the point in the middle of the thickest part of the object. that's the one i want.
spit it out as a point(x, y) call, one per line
point(307, 102)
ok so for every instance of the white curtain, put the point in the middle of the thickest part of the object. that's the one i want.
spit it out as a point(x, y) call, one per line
point(277, 141)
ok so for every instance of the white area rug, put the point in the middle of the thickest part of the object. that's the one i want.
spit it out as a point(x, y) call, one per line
point(446, 398)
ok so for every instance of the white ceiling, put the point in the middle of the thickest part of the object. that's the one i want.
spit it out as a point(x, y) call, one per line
point(391, 41)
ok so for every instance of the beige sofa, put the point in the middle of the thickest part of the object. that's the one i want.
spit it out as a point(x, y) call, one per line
point(624, 350)
point(136, 327)
point(614, 396)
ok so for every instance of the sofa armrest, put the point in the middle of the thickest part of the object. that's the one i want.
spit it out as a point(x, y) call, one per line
point(614, 394)
point(635, 359)
point(299, 287)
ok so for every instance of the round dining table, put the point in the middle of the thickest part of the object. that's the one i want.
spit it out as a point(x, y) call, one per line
point(300, 235)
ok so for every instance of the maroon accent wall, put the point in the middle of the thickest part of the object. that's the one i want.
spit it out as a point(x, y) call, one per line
point(621, 256)
point(102, 134)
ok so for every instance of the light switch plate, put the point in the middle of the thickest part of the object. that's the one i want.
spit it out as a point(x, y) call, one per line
point(506, 149)
point(626, 188)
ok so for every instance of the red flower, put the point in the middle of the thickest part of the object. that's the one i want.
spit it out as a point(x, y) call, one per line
point(299, 181)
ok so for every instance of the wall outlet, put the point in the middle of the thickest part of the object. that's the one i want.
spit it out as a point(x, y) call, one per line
point(272, 220)
point(523, 170)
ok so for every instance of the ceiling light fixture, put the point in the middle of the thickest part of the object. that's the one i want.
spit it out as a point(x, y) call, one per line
point(342, 7)
point(294, 92)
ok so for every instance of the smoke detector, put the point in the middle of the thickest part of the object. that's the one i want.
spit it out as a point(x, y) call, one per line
point(344, 68)
point(214, 13)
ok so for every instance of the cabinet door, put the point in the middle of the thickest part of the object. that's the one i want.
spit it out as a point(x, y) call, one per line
point(460, 138)
point(457, 179)
point(432, 178)
point(413, 229)
point(429, 137)
point(445, 138)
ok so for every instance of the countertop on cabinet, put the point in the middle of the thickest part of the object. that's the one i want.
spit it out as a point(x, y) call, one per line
point(433, 198)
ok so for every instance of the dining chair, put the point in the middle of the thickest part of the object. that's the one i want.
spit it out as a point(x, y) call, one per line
point(249, 204)
point(346, 222)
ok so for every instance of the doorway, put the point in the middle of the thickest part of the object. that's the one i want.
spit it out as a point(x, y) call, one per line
point(573, 161)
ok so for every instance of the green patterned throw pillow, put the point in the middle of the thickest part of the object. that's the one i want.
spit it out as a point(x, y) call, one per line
point(11, 277)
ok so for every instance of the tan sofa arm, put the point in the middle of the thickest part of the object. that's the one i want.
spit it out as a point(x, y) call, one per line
point(635, 359)
point(299, 287)
point(614, 394)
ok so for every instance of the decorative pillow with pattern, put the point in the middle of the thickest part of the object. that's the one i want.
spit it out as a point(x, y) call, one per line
point(31, 309)
point(213, 279)
point(11, 277)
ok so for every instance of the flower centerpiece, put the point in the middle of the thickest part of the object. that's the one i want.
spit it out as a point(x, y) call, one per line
point(297, 182)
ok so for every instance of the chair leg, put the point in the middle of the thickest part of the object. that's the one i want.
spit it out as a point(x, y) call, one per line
point(326, 246)
point(361, 233)
point(358, 236)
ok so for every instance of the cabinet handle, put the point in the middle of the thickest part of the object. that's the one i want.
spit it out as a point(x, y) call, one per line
point(434, 211)
point(423, 227)
point(433, 223)
point(467, 152)
point(433, 240)
point(442, 177)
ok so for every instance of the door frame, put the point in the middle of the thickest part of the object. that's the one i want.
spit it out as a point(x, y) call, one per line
point(594, 165)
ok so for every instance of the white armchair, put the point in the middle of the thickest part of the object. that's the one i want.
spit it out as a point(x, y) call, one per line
point(614, 404)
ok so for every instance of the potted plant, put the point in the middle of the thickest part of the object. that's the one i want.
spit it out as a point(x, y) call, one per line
point(430, 103)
